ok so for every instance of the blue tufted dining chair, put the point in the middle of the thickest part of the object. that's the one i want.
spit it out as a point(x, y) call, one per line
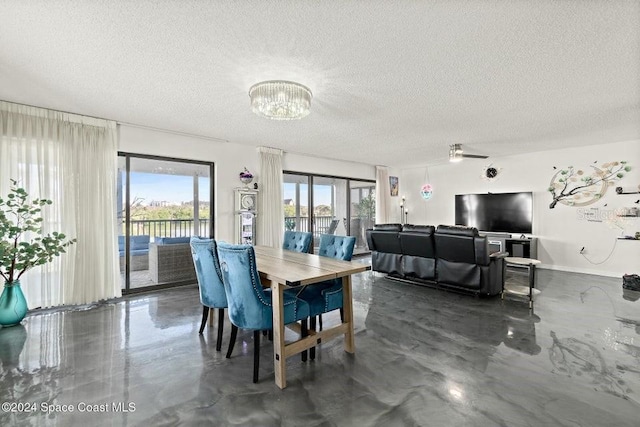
point(327, 296)
point(212, 295)
point(297, 241)
point(250, 305)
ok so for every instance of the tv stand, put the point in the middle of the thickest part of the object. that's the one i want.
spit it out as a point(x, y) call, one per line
point(526, 247)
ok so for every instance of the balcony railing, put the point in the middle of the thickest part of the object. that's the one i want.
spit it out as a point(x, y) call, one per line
point(322, 224)
point(168, 227)
point(185, 227)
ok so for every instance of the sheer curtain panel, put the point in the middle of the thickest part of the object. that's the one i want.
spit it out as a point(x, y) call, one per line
point(71, 160)
point(271, 206)
point(383, 195)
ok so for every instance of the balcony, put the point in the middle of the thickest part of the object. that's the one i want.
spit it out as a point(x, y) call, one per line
point(140, 276)
point(322, 225)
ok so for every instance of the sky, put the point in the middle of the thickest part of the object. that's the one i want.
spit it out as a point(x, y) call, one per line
point(179, 188)
point(322, 193)
point(169, 188)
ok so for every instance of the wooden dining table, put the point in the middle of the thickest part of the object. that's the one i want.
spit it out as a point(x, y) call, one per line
point(281, 269)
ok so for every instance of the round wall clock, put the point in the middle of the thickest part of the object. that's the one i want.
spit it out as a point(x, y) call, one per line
point(490, 173)
point(248, 201)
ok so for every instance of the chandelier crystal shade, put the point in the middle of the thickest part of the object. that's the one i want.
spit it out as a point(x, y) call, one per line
point(280, 100)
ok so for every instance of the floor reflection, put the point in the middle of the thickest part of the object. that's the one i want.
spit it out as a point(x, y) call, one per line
point(424, 357)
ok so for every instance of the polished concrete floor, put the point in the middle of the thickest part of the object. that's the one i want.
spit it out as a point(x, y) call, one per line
point(425, 357)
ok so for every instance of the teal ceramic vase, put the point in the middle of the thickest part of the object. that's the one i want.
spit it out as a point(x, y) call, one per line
point(13, 305)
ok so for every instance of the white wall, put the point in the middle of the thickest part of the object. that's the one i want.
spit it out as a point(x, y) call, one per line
point(561, 231)
point(229, 159)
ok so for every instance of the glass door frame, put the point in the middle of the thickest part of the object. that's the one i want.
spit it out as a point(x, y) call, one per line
point(310, 183)
point(127, 212)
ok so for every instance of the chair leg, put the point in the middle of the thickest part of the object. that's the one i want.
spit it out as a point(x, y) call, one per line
point(270, 334)
point(205, 314)
point(320, 320)
point(220, 328)
point(312, 326)
point(341, 315)
point(256, 355)
point(232, 340)
point(304, 332)
point(264, 333)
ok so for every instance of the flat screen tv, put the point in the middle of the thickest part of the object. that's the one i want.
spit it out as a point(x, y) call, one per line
point(497, 212)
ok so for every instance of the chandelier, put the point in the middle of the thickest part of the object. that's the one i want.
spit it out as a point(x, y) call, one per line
point(280, 100)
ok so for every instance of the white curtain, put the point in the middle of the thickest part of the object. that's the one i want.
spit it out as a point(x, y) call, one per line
point(71, 160)
point(383, 195)
point(271, 204)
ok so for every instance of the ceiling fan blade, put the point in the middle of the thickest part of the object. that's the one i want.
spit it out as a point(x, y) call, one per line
point(474, 156)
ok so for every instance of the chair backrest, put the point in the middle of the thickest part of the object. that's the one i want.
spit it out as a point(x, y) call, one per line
point(297, 241)
point(249, 308)
point(333, 226)
point(338, 247)
point(384, 238)
point(417, 240)
point(461, 244)
point(205, 260)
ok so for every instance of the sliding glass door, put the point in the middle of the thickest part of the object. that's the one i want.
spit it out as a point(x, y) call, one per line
point(329, 205)
point(296, 202)
point(161, 203)
point(363, 211)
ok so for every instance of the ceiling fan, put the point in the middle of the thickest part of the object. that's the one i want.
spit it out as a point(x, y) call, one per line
point(456, 154)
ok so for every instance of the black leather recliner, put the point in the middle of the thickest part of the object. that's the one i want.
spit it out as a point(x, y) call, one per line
point(386, 254)
point(418, 251)
point(464, 260)
point(449, 256)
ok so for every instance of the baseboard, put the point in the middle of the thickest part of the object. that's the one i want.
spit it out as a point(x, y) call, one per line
point(579, 270)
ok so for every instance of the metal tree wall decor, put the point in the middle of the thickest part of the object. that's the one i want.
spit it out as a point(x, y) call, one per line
point(575, 187)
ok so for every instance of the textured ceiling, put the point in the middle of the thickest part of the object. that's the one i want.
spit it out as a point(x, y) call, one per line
point(394, 83)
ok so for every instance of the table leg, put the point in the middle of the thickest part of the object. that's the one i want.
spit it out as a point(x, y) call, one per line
point(279, 361)
point(347, 305)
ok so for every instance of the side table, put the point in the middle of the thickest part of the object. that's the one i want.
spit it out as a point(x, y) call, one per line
point(530, 265)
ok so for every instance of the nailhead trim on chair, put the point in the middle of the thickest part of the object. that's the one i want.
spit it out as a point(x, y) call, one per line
point(326, 300)
point(253, 283)
point(252, 260)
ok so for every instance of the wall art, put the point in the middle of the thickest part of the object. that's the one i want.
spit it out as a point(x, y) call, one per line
point(393, 185)
point(577, 187)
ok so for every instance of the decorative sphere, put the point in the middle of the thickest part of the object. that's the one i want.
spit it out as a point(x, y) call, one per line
point(426, 191)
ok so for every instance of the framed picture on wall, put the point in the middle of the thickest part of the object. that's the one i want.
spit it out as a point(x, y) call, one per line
point(393, 185)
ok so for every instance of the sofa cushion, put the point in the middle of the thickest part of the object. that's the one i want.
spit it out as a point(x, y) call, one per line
point(139, 242)
point(426, 229)
point(139, 245)
point(387, 227)
point(457, 230)
point(139, 252)
point(456, 248)
point(384, 241)
point(417, 240)
point(171, 240)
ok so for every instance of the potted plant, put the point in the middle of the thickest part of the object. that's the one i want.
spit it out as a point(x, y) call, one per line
point(22, 247)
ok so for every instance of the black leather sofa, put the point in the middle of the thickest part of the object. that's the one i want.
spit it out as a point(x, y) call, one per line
point(449, 256)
